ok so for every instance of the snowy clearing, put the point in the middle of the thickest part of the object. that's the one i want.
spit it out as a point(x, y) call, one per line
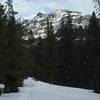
point(36, 90)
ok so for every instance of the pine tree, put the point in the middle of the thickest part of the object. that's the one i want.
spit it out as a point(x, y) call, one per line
point(14, 51)
point(64, 45)
point(76, 57)
point(3, 42)
point(45, 53)
point(39, 57)
point(29, 44)
point(94, 31)
point(51, 52)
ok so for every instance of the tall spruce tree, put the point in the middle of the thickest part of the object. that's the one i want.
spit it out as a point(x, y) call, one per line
point(64, 45)
point(76, 57)
point(3, 42)
point(39, 57)
point(45, 55)
point(94, 31)
point(51, 52)
point(14, 50)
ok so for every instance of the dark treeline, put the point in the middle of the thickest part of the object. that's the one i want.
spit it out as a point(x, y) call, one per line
point(69, 57)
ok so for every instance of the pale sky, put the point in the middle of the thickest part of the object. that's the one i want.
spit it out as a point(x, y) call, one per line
point(29, 8)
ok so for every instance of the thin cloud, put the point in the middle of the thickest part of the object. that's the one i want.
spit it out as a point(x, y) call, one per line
point(29, 8)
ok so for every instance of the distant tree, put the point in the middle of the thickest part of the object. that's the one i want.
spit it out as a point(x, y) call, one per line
point(10, 10)
point(64, 34)
point(45, 55)
point(77, 50)
point(51, 51)
point(29, 45)
point(39, 57)
point(97, 5)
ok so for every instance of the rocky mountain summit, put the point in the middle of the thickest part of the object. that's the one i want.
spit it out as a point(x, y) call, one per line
point(38, 23)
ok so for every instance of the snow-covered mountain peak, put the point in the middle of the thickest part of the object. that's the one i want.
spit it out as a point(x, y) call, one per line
point(38, 23)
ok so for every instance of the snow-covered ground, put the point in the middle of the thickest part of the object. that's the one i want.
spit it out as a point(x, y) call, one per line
point(36, 90)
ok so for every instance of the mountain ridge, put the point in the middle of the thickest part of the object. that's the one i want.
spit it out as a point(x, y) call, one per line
point(38, 23)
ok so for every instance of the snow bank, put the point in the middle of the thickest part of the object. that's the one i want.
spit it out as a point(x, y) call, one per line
point(37, 90)
point(29, 82)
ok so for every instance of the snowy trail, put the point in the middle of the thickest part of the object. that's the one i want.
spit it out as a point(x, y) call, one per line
point(27, 91)
point(27, 94)
point(36, 90)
